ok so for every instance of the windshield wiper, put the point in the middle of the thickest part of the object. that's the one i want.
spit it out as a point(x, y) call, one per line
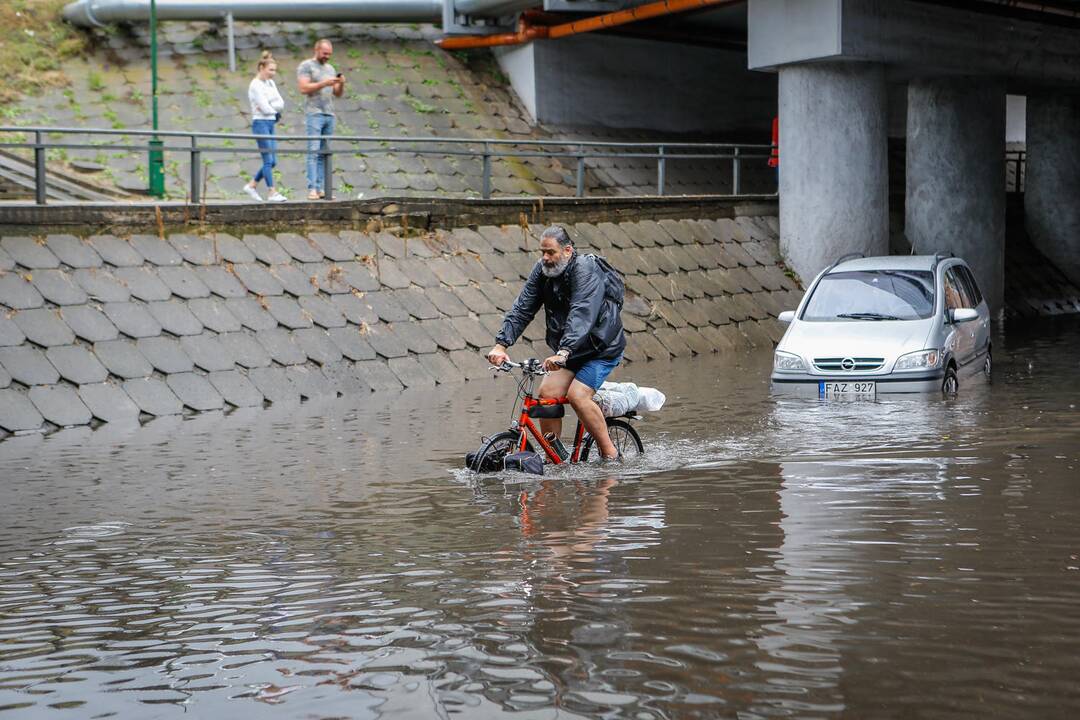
point(867, 316)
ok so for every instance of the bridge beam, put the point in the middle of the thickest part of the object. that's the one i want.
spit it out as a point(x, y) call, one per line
point(833, 163)
point(1052, 180)
point(956, 174)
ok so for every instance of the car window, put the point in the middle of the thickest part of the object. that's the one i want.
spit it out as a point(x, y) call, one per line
point(972, 287)
point(872, 295)
point(955, 294)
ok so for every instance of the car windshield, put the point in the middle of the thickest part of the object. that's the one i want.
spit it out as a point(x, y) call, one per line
point(872, 295)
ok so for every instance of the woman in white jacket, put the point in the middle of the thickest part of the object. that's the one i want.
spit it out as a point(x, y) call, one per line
point(266, 107)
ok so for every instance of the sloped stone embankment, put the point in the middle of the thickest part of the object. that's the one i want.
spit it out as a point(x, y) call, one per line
point(106, 328)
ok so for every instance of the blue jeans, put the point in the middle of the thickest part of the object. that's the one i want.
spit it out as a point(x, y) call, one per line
point(269, 148)
point(317, 124)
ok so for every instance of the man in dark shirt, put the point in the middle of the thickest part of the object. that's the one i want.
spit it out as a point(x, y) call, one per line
point(584, 329)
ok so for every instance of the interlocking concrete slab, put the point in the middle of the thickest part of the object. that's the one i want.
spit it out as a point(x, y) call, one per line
point(695, 340)
point(447, 302)
point(322, 311)
point(390, 245)
point(677, 230)
point(705, 259)
point(143, 283)
point(247, 351)
point(355, 308)
point(155, 250)
point(719, 310)
point(73, 252)
point(745, 280)
point(165, 354)
point(18, 292)
point(88, 323)
point(499, 267)
point(505, 241)
point(60, 405)
point(445, 335)
point(281, 347)
point(410, 372)
point(44, 327)
point(469, 364)
point(196, 250)
point(76, 364)
point(175, 317)
point(643, 236)
point(386, 342)
point(101, 285)
point(183, 282)
point(115, 251)
point(6, 262)
point(475, 300)
point(682, 258)
point(108, 402)
point(415, 337)
point(653, 348)
point(736, 251)
point(492, 323)
point(300, 247)
point(17, 413)
point(440, 368)
point(251, 313)
point(328, 278)
point(344, 378)
point(756, 334)
point(386, 307)
point(359, 276)
point(377, 375)
point(773, 328)
point(317, 345)
point(737, 312)
point(641, 286)
point(471, 266)
point(5, 379)
point(310, 382)
point(501, 296)
point(414, 271)
point(231, 249)
point(748, 304)
point(29, 252)
point(667, 286)
point(361, 244)
point(288, 312)
point(236, 388)
point(473, 332)
point(212, 314)
point(267, 249)
point(275, 385)
point(416, 303)
point(10, 334)
point(472, 241)
point(195, 391)
point(331, 245)
point(390, 274)
point(658, 261)
point(28, 365)
point(132, 319)
point(615, 234)
point(720, 338)
point(257, 279)
point(293, 280)
point(352, 343)
point(207, 352)
point(153, 397)
point(725, 278)
point(447, 272)
point(696, 313)
point(591, 238)
point(122, 359)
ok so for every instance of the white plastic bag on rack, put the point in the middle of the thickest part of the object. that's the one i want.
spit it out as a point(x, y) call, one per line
point(649, 399)
point(616, 399)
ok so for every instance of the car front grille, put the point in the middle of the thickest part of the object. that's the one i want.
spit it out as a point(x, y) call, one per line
point(848, 364)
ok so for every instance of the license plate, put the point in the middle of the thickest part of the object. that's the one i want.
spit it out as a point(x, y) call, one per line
point(847, 389)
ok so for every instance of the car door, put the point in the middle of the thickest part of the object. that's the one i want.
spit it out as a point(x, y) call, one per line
point(962, 335)
point(982, 325)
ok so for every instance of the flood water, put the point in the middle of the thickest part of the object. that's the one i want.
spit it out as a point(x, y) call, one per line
point(899, 558)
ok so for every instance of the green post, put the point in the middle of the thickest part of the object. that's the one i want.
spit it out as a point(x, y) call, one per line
point(157, 155)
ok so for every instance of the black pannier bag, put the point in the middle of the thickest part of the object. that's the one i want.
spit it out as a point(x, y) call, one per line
point(492, 462)
point(526, 462)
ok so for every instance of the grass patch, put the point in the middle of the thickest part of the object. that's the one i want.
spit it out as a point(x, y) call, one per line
point(34, 40)
point(419, 106)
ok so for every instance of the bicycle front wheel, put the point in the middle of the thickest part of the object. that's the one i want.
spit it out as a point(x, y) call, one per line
point(489, 458)
point(623, 436)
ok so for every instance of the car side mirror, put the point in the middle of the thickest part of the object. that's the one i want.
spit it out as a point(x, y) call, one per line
point(962, 315)
point(786, 316)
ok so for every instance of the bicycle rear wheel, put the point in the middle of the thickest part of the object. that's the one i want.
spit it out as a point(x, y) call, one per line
point(489, 458)
point(623, 436)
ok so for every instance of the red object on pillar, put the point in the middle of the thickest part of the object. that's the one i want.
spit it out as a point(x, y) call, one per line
point(774, 156)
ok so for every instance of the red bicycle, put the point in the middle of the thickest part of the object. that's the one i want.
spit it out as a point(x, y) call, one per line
point(489, 457)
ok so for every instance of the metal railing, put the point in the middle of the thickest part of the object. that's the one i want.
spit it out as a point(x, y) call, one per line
point(484, 149)
point(1015, 169)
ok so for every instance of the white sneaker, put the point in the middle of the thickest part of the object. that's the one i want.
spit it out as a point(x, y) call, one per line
point(252, 193)
point(275, 196)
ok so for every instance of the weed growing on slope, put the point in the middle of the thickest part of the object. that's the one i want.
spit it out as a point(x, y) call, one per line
point(33, 40)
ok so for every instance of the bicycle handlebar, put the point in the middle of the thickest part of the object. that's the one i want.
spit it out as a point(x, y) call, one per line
point(532, 366)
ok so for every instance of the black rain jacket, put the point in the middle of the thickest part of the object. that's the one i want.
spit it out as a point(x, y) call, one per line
point(580, 317)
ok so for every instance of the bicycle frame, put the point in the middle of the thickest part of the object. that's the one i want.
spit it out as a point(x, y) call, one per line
point(526, 425)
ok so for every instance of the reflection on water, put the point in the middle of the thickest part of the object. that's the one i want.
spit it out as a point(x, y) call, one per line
point(912, 557)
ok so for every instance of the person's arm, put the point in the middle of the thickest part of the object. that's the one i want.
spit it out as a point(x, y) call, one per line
point(257, 93)
point(339, 86)
point(276, 101)
point(523, 311)
point(586, 299)
point(309, 86)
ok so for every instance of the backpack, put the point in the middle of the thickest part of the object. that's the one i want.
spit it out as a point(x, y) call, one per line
point(614, 288)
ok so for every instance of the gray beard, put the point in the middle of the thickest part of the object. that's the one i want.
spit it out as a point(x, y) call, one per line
point(555, 270)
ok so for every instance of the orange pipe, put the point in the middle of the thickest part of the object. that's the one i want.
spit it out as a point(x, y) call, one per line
point(527, 32)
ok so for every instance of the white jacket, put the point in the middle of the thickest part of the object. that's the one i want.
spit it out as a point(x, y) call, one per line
point(265, 99)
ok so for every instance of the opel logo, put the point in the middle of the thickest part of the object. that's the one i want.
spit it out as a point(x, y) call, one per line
point(847, 364)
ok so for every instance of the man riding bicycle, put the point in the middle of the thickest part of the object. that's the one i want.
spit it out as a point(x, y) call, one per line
point(583, 327)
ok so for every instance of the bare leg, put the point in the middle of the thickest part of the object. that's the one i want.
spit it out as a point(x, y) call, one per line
point(591, 417)
point(555, 385)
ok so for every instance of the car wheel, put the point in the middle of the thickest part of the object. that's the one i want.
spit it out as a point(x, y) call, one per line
point(988, 365)
point(950, 385)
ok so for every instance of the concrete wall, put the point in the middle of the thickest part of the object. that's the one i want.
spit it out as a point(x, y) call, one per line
point(1052, 197)
point(110, 328)
point(616, 82)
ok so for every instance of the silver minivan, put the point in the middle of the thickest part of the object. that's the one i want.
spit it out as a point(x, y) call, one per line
point(877, 325)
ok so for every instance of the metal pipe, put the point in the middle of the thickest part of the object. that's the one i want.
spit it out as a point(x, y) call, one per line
point(99, 13)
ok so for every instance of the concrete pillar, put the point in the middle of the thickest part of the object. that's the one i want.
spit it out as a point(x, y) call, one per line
point(1052, 183)
point(833, 163)
point(956, 174)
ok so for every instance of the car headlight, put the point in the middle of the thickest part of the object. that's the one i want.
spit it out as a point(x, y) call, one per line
point(786, 362)
point(921, 360)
